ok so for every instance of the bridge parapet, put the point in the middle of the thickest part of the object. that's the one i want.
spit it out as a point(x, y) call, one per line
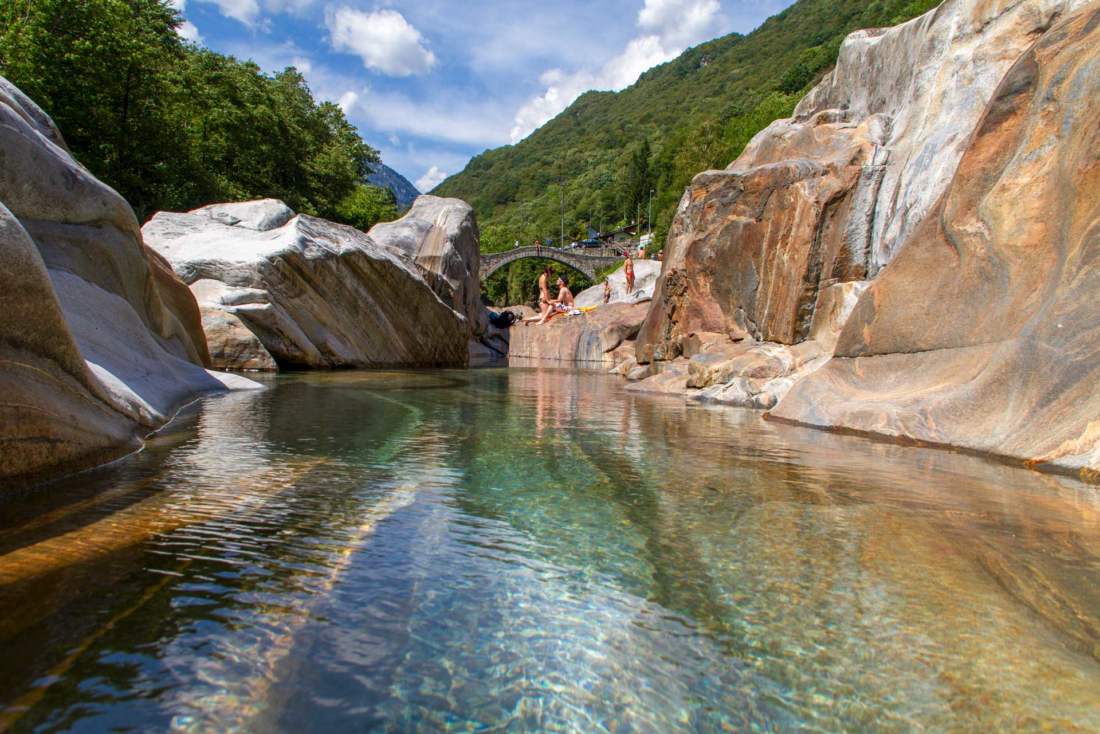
point(586, 261)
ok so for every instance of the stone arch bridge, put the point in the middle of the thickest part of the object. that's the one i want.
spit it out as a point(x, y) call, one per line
point(586, 261)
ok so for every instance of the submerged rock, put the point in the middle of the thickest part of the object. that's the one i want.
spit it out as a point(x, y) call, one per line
point(100, 343)
point(314, 294)
point(982, 332)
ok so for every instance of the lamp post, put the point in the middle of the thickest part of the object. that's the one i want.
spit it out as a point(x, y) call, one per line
point(561, 190)
point(649, 217)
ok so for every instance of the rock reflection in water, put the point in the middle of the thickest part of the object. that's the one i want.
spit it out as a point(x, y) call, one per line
point(538, 551)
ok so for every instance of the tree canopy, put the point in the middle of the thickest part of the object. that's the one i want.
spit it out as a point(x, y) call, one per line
point(173, 126)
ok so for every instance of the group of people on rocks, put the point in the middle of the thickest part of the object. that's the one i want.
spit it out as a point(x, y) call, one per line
point(551, 307)
point(564, 303)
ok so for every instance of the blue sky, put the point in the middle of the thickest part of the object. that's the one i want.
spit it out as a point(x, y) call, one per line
point(431, 83)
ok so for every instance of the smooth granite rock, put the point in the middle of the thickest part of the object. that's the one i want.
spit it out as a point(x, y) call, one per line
point(646, 273)
point(321, 295)
point(982, 333)
point(441, 237)
point(588, 340)
point(100, 343)
point(233, 346)
point(830, 195)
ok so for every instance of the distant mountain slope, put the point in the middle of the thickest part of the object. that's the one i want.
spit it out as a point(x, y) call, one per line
point(386, 178)
point(696, 112)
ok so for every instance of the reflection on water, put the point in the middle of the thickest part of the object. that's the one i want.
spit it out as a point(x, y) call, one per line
point(538, 551)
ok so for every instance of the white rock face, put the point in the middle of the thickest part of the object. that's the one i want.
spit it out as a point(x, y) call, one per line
point(441, 237)
point(261, 215)
point(931, 79)
point(315, 294)
point(100, 343)
point(646, 273)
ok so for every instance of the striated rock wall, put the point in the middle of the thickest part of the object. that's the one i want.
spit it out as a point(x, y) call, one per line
point(293, 291)
point(100, 343)
point(982, 333)
point(914, 254)
point(832, 194)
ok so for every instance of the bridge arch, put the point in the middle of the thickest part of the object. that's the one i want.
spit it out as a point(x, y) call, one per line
point(584, 262)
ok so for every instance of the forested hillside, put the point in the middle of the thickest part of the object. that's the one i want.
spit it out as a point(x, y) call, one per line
point(174, 126)
point(610, 150)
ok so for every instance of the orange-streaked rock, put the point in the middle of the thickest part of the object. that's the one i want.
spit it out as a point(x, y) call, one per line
point(982, 333)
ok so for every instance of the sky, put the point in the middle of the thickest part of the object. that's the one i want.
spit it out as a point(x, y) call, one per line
point(432, 83)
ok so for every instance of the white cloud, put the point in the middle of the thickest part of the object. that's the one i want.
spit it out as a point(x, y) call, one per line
point(245, 11)
point(288, 6)
point(431, 179)
point(188, 32)
point(383, 39)
point(448, 116)
point(347, 101)
point(678, 22)
point(669, 26)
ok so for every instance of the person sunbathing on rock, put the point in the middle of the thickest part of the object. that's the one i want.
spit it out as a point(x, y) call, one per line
point(562, 304)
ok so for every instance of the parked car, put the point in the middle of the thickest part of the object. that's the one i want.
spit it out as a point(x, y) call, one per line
point(587, 243)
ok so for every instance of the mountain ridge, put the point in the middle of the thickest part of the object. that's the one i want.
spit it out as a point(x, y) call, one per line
point(384, 177)
point(609, 150)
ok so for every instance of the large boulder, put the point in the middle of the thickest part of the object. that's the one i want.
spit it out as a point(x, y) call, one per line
point(982, 332)
point(441, 237)
point(314, 294)
point(587, 341)
point(830, 195)
point(101, 343)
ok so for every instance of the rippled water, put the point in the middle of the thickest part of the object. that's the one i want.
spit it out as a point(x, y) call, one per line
point(538, 551)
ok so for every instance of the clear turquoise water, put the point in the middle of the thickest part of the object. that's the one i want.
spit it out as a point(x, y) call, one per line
point(539, 551)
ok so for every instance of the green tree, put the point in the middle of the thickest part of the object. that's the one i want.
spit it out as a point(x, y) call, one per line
point(366, 206)
point(172, 126)
point(105, 71)
point(637, 182)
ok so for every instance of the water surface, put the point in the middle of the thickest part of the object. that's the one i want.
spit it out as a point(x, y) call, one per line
point(540, 551)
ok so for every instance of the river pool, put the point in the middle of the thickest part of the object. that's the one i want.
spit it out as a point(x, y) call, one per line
point(539, 551)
